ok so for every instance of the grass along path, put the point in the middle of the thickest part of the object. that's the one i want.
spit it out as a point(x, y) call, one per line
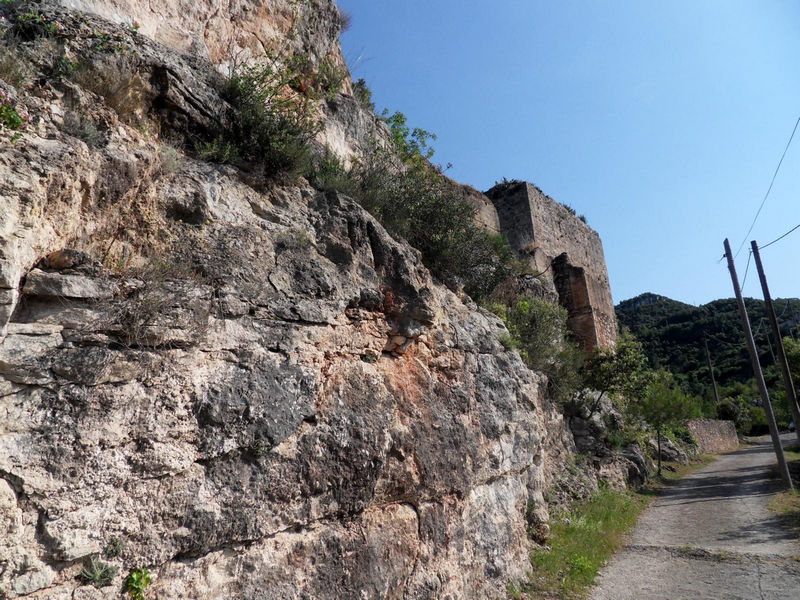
point(787, 504)
point(583, 538)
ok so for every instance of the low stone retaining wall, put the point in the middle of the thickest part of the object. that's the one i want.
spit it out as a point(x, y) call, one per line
point(713, 436)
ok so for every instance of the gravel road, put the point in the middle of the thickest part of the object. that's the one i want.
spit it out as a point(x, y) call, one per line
point(710, 536)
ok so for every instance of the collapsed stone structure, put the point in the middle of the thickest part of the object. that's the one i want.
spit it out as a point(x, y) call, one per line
point(558, 245)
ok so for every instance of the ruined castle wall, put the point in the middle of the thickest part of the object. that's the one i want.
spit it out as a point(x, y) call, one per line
point(541, 230)
point(558, 231)
point(514, 215)
point(485, 212)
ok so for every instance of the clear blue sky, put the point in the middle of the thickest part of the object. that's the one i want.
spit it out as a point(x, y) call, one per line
point(662, 122)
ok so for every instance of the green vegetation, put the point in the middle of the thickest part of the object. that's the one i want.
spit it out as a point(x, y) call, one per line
point(411, 144)
point(273, 120)
point(330, 78)
point(538, 330)
point(114, 548)
point(363, 94)
point(97, 573)
point(663, 405)
point(672, 336)
point(10, 118)
point(787, 504)
point(581, 541)
point(621, 373)
point(584, 537)
point(792, 350)
point(136, 582)
point(413, 199)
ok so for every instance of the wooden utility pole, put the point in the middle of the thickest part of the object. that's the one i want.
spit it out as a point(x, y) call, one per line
point(791, 395)
point(762, 386)
point(711, 370)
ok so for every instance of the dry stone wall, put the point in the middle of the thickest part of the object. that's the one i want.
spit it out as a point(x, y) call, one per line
point(713, 436)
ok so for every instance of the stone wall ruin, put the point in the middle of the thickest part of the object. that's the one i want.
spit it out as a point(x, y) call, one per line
point(559, 244)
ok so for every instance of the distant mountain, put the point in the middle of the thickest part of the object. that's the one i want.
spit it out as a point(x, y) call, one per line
point(672, 334)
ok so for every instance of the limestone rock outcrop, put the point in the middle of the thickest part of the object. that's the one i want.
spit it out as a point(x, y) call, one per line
point(247, 387)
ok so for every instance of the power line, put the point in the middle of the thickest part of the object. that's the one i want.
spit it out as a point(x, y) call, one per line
point(774, 175)
point(780, 238)
point(747, 268)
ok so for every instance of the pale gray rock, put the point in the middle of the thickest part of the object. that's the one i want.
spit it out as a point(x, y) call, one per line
point(40, 283)
point(249, 382)
point(669, 451)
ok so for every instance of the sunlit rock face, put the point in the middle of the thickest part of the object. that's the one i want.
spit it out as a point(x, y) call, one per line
point(247, 387)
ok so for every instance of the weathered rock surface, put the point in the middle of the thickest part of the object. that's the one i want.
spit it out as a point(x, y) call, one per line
point(251, 385)
point(261, 393)
point(669, 451)
point(258, 424)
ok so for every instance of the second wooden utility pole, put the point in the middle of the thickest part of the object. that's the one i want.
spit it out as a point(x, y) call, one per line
point(791, 396)
point(762, 386)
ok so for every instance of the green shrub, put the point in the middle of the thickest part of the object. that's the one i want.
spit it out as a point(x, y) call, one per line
point(330, 77)
point(430, 212)
point(218, 150)
point(363, 94)
point(10, 118)
point(274, 118)
point(681, 434)
point(413, 200)
point(329, 174)
point(97, 573)
point(411, 144)
point(114, 548)
point(736, 409)
point(538, 329)
point(136, 582)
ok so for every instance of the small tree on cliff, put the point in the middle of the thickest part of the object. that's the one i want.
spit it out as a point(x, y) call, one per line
point(620, 372)
point(664, 405)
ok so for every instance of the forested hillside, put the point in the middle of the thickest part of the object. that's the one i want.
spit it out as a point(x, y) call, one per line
point(672, 334)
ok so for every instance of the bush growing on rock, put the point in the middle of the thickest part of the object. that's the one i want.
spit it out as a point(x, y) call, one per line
point(538, 329)
point(664, 405)
point(414, 200)
point(274, 117)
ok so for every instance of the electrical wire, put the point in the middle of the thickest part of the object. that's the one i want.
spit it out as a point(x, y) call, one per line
point(774, 175)
point(747, 268)
point(780, 238)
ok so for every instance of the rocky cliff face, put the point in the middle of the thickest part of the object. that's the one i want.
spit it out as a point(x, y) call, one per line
point(246, 387)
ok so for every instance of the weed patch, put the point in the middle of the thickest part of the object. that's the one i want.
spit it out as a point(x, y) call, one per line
point(274, 118)
point(584, 537)
point(787, 504)
point(581, 541)
point(117, 81)
point(97, 573)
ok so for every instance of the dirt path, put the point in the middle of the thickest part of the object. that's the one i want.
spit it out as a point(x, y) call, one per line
point(710, 535)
